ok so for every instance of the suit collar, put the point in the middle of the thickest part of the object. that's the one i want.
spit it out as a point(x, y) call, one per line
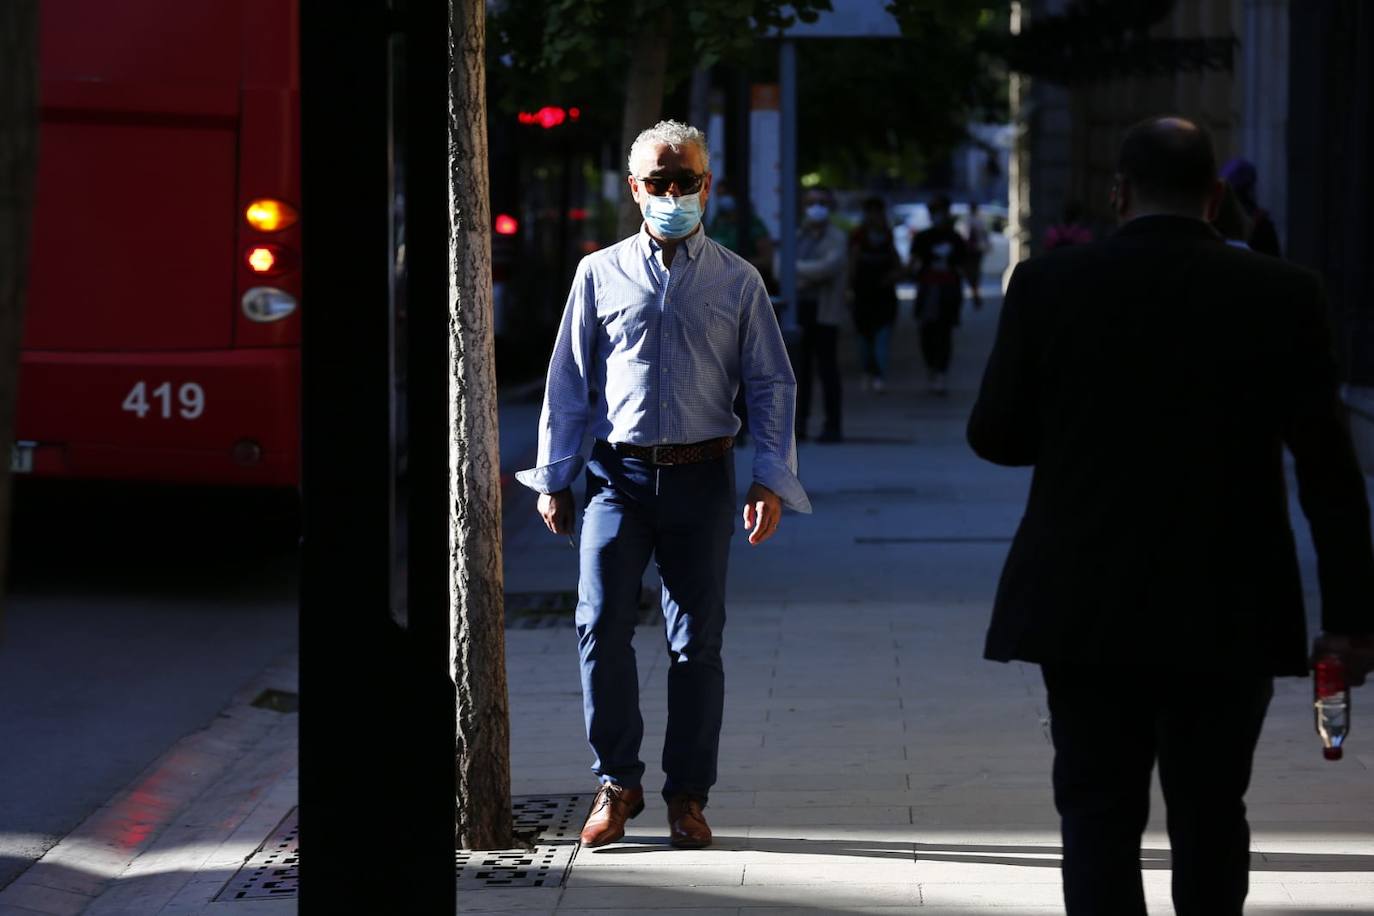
point(1161, 224)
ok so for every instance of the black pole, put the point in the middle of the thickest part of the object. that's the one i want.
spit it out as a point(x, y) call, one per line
point(434, 708)
point(367, 732)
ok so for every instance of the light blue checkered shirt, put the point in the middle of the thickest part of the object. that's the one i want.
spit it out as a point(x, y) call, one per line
point(652, 356)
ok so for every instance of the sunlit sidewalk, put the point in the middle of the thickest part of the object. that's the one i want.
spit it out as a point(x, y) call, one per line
point(871, 760)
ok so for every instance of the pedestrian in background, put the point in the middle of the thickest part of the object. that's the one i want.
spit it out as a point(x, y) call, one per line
point(822, 258)
point(756, 247)
point(1072, 228)
point(1154, 576)
point(939, 259)
point(659, 332)
point(977, 250)
point(874, 268)
point(1231, 222)
point(1241, 175)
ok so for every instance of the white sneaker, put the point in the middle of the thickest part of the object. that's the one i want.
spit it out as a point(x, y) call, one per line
point(937, 385)
point(879, 386)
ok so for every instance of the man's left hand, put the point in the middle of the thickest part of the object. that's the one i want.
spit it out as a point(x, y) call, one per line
point(762, 513)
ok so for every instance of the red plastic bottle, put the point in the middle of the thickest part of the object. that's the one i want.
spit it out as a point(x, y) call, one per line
point(1331, 698)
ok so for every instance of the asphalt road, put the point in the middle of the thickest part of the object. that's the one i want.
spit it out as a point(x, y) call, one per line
point(133, 615)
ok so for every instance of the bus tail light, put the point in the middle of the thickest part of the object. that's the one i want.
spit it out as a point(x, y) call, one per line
point(270, 259)
point(267, 214)
point(267, 303)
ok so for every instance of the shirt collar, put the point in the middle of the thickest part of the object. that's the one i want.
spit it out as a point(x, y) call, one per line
point(650, 246)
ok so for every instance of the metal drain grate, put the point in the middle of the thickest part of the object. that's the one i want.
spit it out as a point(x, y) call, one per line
point(273, 870)
point(554, 822)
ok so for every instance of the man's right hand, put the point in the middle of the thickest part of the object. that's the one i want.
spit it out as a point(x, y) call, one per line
point(1356, 651)
point(556, 509)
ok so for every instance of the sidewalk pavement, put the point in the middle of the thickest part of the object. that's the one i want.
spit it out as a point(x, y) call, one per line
point(871, 761)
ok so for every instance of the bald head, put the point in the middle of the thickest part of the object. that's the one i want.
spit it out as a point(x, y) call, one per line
point(1166, 165)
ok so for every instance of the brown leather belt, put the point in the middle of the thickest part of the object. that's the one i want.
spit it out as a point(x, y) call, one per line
point(664, 455)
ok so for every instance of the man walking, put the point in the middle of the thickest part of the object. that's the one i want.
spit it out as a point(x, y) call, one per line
point(659, 332)
point(1153, 379)
point(939, 257)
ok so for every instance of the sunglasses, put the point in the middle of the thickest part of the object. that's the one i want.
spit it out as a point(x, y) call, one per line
point(658, 185)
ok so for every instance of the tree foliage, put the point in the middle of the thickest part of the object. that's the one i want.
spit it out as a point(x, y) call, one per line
point(580, 49)
point(871, 110)
point(877, 112)
point(1095, 40)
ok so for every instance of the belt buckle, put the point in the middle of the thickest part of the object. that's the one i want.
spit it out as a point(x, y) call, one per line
point(655, 450)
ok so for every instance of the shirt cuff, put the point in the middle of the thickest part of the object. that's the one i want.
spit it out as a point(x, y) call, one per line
point(777, 477)
point(551, 478)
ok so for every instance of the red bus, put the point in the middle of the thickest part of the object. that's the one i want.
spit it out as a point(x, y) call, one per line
point(162, 335)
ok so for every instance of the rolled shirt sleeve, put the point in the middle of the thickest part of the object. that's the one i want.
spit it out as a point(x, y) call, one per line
point(567, 393)
point(770, 390)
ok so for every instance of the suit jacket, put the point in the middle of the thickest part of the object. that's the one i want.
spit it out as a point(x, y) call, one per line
point(1153, 379)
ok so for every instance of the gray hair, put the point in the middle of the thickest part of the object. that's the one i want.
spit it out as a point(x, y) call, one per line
point(672, 134)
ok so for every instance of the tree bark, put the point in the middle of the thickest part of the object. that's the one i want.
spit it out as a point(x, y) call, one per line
point(477, 590)
point(643, 101)
point(18, 173)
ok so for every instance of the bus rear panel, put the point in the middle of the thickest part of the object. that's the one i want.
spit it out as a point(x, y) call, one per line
point(162, 332)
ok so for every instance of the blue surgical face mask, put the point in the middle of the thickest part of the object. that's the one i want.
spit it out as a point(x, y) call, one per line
point(672, 217)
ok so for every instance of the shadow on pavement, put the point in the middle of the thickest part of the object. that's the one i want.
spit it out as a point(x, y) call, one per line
point(1039, 856)
point(94, 537)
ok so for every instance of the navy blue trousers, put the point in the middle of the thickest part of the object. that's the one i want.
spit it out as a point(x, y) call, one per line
point(1110, 724)
point(683, 517)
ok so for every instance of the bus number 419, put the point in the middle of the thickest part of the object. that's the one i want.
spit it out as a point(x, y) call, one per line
point(190, 399)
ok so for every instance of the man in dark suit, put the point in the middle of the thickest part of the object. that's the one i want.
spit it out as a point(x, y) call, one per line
point(1153, 379)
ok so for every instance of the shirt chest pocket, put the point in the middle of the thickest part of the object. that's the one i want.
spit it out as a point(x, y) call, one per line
point(714, 320)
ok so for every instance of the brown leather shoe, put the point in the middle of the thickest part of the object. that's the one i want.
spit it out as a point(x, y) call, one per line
point(613, 806)
point(687, 827)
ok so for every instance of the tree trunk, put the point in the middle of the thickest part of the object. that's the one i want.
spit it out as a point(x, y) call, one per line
point(18, 170)
point(477, 590)
point(643, 101)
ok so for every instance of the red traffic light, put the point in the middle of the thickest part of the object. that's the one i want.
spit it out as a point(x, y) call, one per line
point(549, 116)
point(506, 224)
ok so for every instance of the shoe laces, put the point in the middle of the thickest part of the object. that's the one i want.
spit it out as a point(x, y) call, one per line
point(609, 792)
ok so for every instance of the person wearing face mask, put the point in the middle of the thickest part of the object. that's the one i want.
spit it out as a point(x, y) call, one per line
point(755, 246)
point(659, 332)
point(822, 262)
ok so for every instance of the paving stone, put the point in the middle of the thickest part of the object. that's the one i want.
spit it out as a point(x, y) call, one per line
point(646, 899)
point(48, 900)
point(659, 875)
